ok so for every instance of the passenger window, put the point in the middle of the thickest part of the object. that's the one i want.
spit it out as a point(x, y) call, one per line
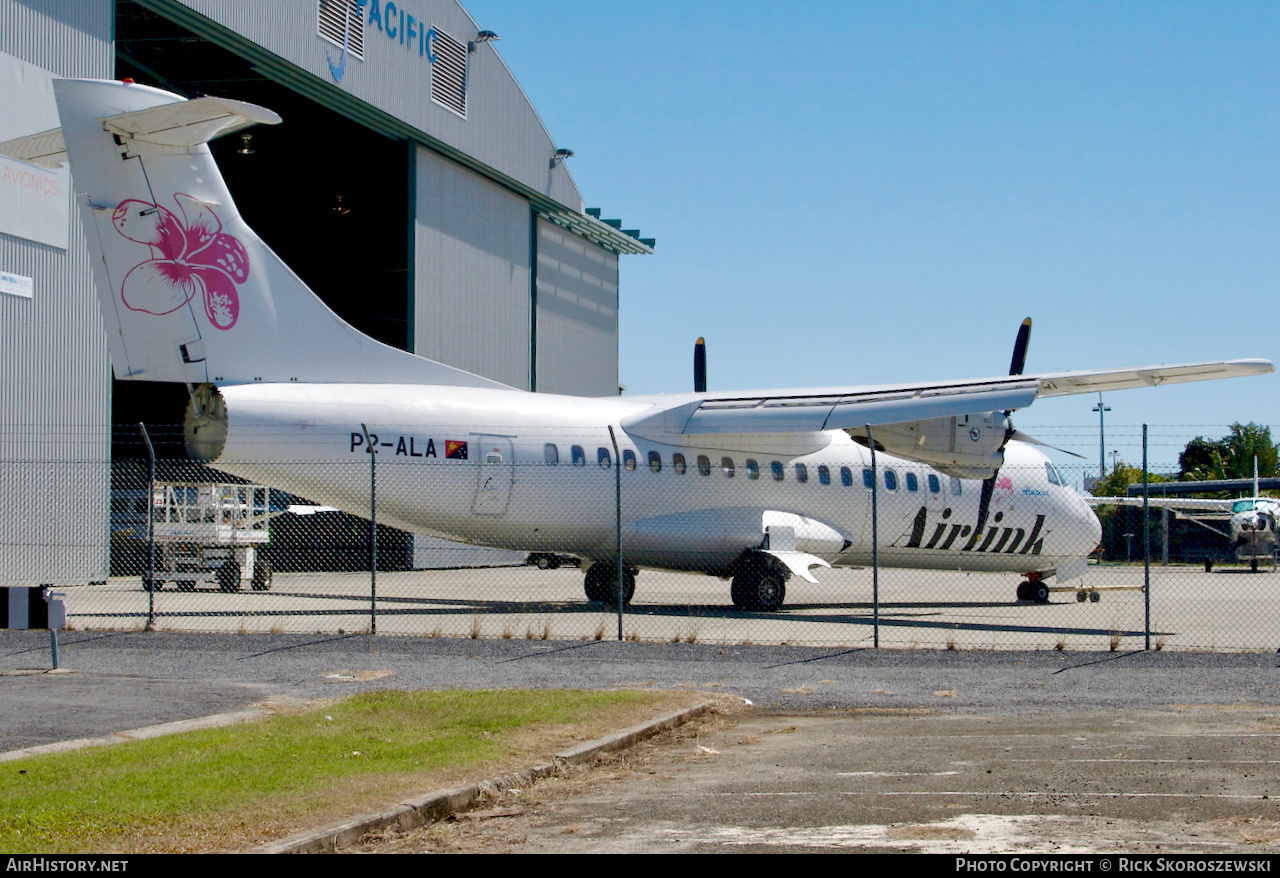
point(655, 461)
point(704, 465)
point(726, 464)
point(753, 469)
point(603, 458)
point(551, 454)
point(677, 463)
point(956, 487)
point(579, 456)
point(846, 477)
point(629, 459)
point(802, 473)
point(868, 480)
point(778, 473)
point(934, 485)
point(913, 484)
point(824, 475)
point(890, 480)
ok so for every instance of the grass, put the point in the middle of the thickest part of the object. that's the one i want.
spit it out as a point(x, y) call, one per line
point(228, 788)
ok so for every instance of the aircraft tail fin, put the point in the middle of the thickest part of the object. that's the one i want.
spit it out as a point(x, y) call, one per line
point(188, 291)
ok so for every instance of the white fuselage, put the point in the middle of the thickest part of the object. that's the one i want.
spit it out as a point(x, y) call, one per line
point(538, 475)
point(1253, 527)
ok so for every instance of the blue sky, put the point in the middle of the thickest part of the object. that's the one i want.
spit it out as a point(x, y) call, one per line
point(876, 192)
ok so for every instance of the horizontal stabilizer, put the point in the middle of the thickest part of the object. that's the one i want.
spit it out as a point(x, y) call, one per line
point(46, 149)
point(187, 123)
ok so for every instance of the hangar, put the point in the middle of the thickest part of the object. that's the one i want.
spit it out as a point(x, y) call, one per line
point(412, 185)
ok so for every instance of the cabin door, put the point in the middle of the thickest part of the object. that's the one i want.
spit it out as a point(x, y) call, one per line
point(496, 475)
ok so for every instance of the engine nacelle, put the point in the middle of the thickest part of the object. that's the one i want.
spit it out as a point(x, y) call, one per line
point(204, 427)
point(965, 446)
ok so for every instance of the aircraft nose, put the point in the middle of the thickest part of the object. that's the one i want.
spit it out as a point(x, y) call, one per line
point(1088, 525)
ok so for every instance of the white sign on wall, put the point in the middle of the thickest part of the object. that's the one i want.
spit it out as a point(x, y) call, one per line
point(16, 285)
point(35, 202)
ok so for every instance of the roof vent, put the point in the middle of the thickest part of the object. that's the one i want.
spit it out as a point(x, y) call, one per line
point(449, 73)
point(339, 22)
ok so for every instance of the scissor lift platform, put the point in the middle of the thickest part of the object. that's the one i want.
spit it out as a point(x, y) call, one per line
point(210, 532)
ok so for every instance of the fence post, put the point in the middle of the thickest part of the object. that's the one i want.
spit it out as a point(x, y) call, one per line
point(373, 531)
point(150, 582)
point(617, 506)
point(1146, 542)
point(875, 549)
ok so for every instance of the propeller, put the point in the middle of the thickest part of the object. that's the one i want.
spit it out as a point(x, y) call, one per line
point(700, 366)
point(1016, 365)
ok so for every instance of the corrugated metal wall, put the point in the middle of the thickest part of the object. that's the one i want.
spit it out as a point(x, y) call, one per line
point(501, 128)
point(55, 390)
point(471, 270)
point(577, 315)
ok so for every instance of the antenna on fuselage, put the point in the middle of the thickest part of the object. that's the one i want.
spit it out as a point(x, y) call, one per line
point(700, 366)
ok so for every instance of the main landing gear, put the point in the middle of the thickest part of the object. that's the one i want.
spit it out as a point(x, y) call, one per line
point(759, 587)
point(601, 583)
point(1033, 588)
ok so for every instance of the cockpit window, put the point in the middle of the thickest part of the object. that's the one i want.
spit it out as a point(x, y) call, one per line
point(1054, 478)
point(1243, 506)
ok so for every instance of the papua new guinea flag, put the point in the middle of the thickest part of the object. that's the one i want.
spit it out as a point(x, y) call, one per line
point(454, 450)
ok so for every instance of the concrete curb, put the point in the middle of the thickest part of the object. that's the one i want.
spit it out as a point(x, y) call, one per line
point(173, 728)
point(435, 806)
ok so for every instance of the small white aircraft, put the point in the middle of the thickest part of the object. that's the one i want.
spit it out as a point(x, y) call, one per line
point(756, 486)
point(1252, 519)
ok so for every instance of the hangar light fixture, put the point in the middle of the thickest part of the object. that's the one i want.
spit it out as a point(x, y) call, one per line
point(485, 36)
point(560, 156)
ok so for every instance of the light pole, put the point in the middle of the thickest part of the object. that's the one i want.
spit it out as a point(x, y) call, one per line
point(1102, 437)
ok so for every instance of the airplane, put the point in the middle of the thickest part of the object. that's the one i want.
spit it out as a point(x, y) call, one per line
point(757, 487)
point(1252, 519)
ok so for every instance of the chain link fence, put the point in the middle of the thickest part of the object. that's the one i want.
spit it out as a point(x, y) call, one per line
point(714, 549)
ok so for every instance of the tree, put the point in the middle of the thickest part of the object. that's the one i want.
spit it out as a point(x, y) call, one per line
point(1116, 482)
point(1230, 457)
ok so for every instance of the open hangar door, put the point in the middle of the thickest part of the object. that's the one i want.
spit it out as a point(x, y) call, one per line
point(329, 195)
point(331, 198)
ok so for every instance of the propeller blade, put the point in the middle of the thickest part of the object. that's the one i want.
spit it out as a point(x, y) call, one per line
point(1031, 440)
point(700, 367)
point(1019, 360)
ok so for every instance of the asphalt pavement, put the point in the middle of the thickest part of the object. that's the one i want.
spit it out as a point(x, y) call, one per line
point(110, 682)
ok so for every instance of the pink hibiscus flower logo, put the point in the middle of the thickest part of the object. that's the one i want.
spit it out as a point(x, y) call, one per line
point(190, 255)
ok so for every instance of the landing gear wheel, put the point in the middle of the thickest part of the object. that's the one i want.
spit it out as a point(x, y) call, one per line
point(601, 584)
point(1081, 597)
point(1094, 597)
point(261, 574)
point(1208, 565)
point(544, 562)
point(759, 589)
point(229, 576)
point(1024, 591)
point(1040, 593)
point(1253, 565)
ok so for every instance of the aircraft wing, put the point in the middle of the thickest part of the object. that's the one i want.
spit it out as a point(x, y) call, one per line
point(1189, 505)
point(848, 408)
